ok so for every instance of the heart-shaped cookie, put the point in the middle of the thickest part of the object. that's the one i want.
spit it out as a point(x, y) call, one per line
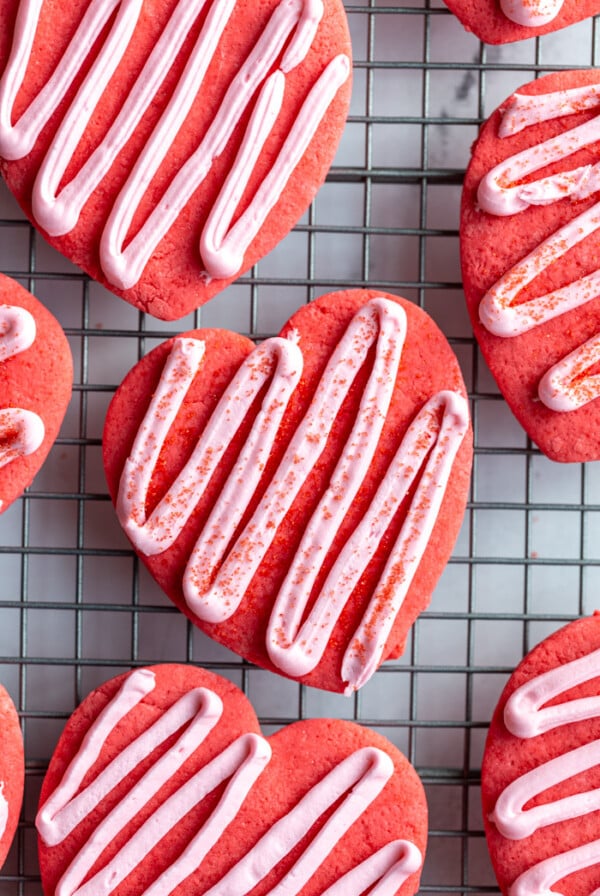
point(298, 500)
point(36, 373)
point(503, 21)
point(529, 238)
point(161, 782)
point(540, 776)
point(12, 772)
point(165, 146)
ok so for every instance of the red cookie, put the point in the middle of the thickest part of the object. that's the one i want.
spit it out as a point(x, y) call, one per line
point(181, 793)
point(12, 772)
point(540, 777)
point(503, 21)
point(36, 373)
point(529, 245)
point(165, 146)
point(304, 525)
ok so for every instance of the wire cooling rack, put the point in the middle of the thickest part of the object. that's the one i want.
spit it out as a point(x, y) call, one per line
point(76, 607)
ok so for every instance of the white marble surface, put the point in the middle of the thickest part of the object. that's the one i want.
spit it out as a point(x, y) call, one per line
point(528, 554)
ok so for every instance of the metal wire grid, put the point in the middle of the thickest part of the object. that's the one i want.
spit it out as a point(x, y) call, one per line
point(76, 607)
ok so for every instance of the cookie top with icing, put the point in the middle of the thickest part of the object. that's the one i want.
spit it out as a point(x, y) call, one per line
point(539, 775)
point(162, 781)
point(169, 145)
point(36, 372)
point(297, 499)
point(529, 223)
point(12, 772)
point(504, 21)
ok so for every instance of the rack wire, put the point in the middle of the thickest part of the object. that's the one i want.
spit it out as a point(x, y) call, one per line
point(76, 607)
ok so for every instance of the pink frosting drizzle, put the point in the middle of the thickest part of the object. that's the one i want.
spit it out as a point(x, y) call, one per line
point(21, 431)
point(531, 13)
point(57, 208)
point(527, 715)
point(218, 573)
point(17, 331)
point(567, 385)
point(3, 811)
point(353, 785)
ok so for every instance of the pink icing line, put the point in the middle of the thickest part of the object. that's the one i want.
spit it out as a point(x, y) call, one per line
point(21, 431)
point(565, 387)
point(222, 246)
point(524, 110)
point(17, 331)
point(199, 711)
point(433, 445)
point(540, 880)
point(531, 13)
point(353, 785)
point(427, 450)
point(3, 811)
point(156, 533)
point(498, 312)
point(526, 715)
point(58, 212)
point(389, 867)
point(359, 779)
point(496, 195)
point(215, 597)
point(217, 575)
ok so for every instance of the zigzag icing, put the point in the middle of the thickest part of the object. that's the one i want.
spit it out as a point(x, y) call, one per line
point(218, 574)
point(567, 385)
point(281, 47)
point(527, 715)
point(351, 787)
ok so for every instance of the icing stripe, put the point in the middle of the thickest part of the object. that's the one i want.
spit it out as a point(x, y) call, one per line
point(17, 331)
point(199, 711)
point(63, 811)
point(499, 311)
point(527, 715)
point(531, 13)
point(57, 208)
point(216, 597)
point(350, 787)
point(222, 248)
point(219, 570)
point(566, 386)
point(21, 431)
point(378, 869)
point(355, 783)
point(427, 451)
point(278, 359)
point(524, 110)
point(3, 811)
